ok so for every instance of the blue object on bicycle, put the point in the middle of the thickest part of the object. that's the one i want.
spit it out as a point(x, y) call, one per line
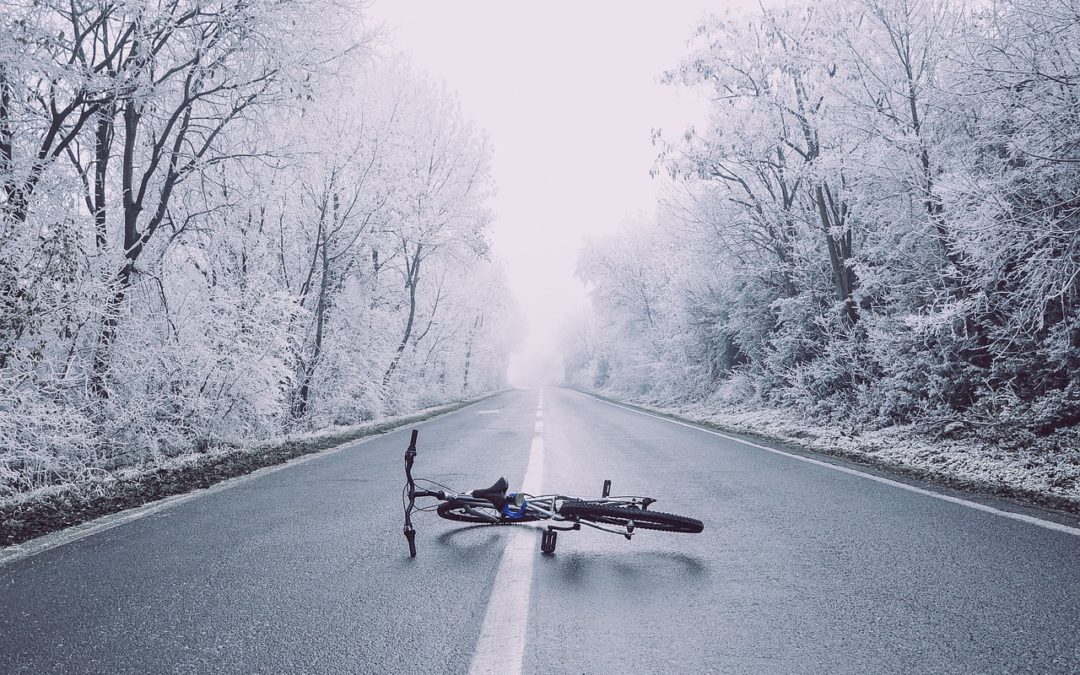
point(510, 512)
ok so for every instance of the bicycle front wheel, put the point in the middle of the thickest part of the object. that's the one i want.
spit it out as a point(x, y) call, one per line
point(473, 513)
point(621, 516)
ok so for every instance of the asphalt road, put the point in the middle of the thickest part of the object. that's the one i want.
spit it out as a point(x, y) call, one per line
point(801, 568)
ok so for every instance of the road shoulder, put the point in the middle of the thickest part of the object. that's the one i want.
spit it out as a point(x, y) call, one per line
point(80, 510)
point(998, 496)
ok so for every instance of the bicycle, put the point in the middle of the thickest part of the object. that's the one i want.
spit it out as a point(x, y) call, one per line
point(495, 506)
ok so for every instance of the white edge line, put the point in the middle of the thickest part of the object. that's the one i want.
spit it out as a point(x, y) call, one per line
point(1031, 520)
point(72, 534)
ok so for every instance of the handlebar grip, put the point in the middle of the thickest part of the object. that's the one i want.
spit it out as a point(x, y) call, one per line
point(412, 441)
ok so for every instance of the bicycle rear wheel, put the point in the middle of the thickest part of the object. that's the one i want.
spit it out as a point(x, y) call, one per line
point(620, 516)
point(472, 513)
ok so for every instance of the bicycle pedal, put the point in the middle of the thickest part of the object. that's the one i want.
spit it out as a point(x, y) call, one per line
point(548, 540)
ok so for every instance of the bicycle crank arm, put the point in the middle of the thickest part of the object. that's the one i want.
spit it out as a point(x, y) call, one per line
point(568, 528)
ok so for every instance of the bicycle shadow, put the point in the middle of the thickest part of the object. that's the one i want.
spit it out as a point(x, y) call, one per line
point(468, 539)
point(626, 567)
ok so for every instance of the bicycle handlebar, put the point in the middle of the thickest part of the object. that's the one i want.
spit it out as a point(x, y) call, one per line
point(413, 493)
point(410, 533)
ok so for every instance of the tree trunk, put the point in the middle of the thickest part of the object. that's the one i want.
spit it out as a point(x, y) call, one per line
point(132, 248)
point(302, 403)
point(7, 158)
point(468, 351)
point(102, 145)
point(412, 275)
point(839, 250)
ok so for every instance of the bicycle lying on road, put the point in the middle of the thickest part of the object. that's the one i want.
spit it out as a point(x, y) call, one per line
point(494, 506)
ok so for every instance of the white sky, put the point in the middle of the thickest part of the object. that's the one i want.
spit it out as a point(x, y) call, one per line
point(568, 93)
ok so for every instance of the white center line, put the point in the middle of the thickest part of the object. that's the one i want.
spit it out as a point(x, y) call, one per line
point(501, 647)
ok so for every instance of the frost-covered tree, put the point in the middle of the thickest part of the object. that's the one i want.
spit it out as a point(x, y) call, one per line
point(878, 222)
point(217, 223)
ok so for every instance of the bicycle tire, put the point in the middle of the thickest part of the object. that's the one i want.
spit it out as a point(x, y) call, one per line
point(455, 510)
point(606, 514)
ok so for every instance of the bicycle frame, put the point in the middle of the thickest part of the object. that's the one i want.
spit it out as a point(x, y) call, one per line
point(546, 507)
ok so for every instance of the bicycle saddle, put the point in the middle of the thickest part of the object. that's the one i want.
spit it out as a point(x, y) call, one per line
point(496, 494)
